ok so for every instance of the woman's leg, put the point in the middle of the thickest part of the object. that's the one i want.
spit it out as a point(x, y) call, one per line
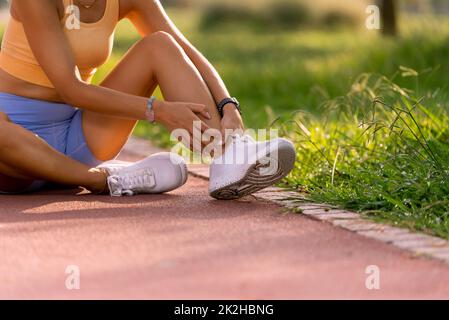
point(25, 157)
point(9, 184)
point(155, 60)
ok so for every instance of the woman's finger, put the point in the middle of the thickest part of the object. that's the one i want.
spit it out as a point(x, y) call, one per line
point(200, 109)
point(194, 124)
point(200, 138)
point(204, 127)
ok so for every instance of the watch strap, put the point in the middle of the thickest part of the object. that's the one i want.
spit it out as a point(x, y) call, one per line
point(226, 101)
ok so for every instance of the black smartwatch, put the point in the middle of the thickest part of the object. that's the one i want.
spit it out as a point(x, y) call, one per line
point(225, 101)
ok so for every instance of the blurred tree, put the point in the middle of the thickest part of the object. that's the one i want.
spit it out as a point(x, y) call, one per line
point(3, 4)
point(388, 9)
point(440, 6)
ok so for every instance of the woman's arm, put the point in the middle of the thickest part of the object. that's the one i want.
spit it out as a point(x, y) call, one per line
point(149, 16)
point(52, 50)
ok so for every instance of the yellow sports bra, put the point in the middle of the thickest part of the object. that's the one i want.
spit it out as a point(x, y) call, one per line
point(91, 44)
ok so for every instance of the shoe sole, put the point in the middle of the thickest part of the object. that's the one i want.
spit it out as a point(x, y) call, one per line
point(253, 181)
point(184, 173)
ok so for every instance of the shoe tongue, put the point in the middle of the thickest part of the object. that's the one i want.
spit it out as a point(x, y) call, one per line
point(250, 138)
point(245, 137)
point(233, 148)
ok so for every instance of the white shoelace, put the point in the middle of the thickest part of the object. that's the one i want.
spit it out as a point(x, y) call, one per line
point(129, 183)
point(245, 138)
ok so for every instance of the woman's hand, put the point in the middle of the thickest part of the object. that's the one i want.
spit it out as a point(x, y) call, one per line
point(232, 120)
point(180, 115)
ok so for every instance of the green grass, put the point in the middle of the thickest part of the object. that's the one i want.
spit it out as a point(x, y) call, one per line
point(379, 150)
point(368, 114)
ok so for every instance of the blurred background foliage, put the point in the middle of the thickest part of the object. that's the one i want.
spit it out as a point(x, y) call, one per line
point(279, 56)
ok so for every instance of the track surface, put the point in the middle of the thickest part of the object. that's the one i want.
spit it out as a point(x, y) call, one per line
point(185, 245)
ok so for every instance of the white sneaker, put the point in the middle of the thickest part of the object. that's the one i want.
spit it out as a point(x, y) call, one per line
point(248, 166)
point(159, 173)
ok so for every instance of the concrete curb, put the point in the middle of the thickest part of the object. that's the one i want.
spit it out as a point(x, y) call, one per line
point(418, 244)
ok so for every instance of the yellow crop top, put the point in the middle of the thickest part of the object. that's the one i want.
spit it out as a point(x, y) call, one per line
point(91, 44)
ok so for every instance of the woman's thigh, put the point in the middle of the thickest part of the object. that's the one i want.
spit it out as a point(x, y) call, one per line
point(11, 180)
point(134, 75)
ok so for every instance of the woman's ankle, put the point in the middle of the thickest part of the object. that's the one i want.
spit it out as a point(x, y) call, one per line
point(100, 181)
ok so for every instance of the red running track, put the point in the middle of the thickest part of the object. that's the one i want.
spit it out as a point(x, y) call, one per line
point(185, 245)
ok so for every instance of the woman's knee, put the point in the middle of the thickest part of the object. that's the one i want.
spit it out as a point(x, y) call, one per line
point(4, 117)
point(163, 43)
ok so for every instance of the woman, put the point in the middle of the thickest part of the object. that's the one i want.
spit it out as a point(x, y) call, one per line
point(57, 127)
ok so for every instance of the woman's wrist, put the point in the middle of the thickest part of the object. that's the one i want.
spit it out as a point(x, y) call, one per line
point(228, 106)
point(158, 106)
point(230, 110)
point(153, 106)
